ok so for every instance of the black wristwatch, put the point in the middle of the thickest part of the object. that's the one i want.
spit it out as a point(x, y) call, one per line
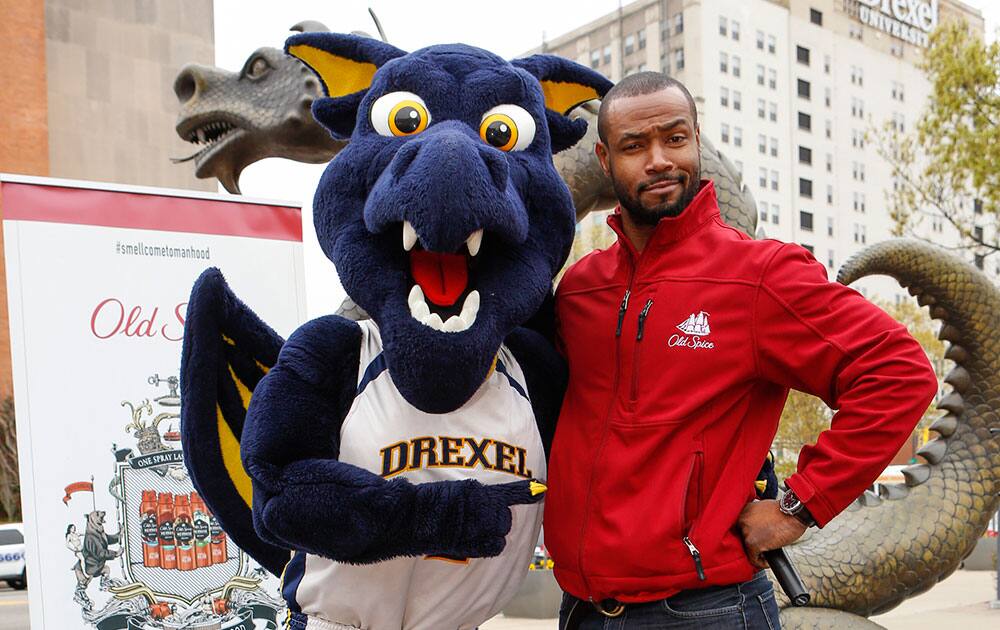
point(790, 504)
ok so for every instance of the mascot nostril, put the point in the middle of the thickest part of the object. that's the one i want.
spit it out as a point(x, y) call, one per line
point(399, 461)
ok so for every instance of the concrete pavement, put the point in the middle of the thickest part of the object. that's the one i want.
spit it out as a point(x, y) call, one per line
point(13, 609)
point(960, 601)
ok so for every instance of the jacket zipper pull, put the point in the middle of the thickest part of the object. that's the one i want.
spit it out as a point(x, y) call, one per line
point(621, 313)
point(642, 318)
point(697, 557)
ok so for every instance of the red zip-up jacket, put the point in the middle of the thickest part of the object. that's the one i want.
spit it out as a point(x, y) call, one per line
point(680, 361)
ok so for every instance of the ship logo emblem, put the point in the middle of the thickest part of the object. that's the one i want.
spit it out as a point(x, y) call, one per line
point(695, 325)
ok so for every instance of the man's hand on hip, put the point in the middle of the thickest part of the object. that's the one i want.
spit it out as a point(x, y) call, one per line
point(765, 527)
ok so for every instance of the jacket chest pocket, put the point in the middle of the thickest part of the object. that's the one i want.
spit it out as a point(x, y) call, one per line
point(675, 367)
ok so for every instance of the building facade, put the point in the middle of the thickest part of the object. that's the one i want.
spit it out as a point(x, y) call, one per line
point(88, 94)
point(790, 91)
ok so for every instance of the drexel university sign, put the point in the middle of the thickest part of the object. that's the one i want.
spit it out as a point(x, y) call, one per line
point(908, 20)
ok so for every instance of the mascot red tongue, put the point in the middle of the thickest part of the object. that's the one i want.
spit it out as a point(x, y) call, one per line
point(442, 277)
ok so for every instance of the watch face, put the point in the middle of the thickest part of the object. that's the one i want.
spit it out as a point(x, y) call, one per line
point(790, 502)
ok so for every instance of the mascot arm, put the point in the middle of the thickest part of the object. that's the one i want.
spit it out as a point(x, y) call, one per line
point(545, 374)
point(305, 499)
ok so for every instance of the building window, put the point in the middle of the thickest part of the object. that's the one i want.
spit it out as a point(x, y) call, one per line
point(763, 179)
point(642, 39)
point(805, 155)
point(725, 133)
point(595, 59)
point(737, 136)
point(805, 121)
point(607, 54)
point(724, 97)
point(897, 91)
point(860, 234)
point(760, 74)
point(629, 44)
point(829, 130)
point(854, 31)
point(678, 59)
point(772, 111)
point(760, 108)
point(775, 213)
point(736, 66)
point(806, 220)
point(816, 17)
point(805, 89)
point(829, 194)
point(723, 62)
point(829, 259)
point(827, 96)
point(760, 40)
point(805, 188)
point(829, 228)
point(898, 123)
point(978, 261)
point(737, 98)
point(977, 233)
point(774, 147)
point(771, 44)
point(763, 212)
point(808, 248)
point(829, 162)
point(739, 168)
point(723, 26)
point(977, 206)
point(772, 78)
point(802, 55)
point(762, 144)
point(678, 24)
point(774, 180)
point(734, 30)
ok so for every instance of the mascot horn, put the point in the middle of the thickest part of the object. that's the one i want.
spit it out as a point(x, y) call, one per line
point(390, 468)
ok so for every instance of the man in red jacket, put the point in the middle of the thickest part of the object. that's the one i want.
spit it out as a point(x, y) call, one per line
point(683, 339)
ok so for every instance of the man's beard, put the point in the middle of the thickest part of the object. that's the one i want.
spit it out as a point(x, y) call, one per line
point(651, 215)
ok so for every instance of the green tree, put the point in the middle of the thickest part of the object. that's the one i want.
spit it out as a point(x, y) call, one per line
point(949, 159)
point(10, 488)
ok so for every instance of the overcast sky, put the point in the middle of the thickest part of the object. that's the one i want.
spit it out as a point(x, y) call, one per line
point(507, 28)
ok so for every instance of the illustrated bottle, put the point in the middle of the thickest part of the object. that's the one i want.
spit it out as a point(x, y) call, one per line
point(218, 546)
point(165, 523)
point(184, 533)
point(202, 532)
point(150, 531)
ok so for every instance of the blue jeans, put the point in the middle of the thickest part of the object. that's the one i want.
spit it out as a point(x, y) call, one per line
point(748, 606)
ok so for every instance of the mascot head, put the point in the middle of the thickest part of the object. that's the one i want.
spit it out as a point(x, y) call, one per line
point(444, 216)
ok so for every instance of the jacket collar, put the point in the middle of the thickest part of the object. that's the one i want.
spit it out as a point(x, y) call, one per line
point(703, 208)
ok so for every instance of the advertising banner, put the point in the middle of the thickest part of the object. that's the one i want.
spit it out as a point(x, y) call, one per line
point(98, 279)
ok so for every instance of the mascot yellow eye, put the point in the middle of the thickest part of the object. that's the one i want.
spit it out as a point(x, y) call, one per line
point(399, 114)
point(508, 128)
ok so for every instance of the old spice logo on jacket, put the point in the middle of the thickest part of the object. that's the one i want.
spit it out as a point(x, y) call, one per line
point(696, 331)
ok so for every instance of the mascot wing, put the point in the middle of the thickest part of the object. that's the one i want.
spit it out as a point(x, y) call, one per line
point(227, 351)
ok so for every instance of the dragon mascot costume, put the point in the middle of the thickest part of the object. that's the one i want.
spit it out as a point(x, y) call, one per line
point(391, 469)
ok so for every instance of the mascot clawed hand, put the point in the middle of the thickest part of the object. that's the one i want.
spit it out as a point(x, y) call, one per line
point(392, 469)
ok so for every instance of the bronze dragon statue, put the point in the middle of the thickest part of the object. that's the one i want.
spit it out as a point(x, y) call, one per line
point(886, 548)
point(880, 551)
point(263, 111)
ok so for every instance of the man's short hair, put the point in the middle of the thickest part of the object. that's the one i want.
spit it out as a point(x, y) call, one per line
point(639, 84)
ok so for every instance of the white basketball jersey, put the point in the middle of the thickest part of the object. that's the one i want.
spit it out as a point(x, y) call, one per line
point(493, 438)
